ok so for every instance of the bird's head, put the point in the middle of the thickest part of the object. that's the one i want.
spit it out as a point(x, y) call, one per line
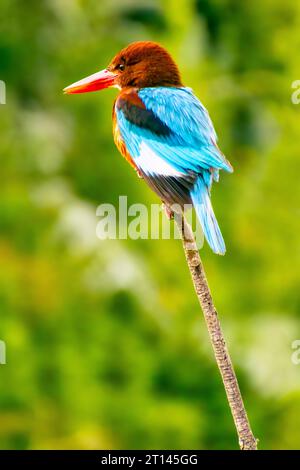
point(141, 64)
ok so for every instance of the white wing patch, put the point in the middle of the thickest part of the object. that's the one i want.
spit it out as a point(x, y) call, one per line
point(150, 163)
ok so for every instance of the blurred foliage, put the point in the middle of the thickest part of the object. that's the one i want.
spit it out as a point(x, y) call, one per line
point(106, 346)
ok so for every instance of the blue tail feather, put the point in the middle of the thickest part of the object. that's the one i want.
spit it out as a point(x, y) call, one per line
point(202, 203)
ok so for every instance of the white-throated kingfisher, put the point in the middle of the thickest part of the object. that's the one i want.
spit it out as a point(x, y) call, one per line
point(163, 130)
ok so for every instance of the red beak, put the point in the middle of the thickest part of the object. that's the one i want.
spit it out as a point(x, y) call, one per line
point(95, 82)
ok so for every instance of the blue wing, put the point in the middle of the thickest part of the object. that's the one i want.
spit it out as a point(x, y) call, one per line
point(175, 126)
point(182, 112)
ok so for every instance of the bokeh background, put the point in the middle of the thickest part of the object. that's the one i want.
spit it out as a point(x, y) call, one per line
point(106, 344)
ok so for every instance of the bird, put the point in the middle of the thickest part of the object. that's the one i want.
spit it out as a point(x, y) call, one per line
point(163, 130)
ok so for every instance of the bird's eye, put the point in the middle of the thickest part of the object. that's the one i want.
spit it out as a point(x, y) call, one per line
point(120, 67)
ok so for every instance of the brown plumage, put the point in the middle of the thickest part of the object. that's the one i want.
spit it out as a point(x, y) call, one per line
point(140, 65)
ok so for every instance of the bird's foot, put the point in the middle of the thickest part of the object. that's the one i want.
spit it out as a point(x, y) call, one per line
point(168, 211)
point(138, 172)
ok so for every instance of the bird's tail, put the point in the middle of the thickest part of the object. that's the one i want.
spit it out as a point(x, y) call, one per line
point(202, 203)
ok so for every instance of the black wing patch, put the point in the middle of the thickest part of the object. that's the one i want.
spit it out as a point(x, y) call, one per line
point(135, 112)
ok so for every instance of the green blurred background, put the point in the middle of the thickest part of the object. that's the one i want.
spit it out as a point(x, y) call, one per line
point(106, 345)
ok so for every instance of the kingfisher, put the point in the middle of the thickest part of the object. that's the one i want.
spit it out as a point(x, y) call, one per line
point(163, 130)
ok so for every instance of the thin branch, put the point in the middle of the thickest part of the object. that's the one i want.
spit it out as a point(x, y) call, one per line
point(246, 439)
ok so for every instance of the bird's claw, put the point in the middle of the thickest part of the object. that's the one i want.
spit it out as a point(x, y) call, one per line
point(168, 211)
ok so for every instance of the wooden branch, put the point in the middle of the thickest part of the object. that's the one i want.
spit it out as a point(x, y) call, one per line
point(246, 439)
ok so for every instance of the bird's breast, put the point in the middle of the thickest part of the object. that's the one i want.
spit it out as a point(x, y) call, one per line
point(120, 144)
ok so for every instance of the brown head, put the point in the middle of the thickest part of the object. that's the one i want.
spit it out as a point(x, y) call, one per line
point(141, 64)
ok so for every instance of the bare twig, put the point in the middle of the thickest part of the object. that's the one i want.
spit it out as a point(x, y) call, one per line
point(246, 439)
